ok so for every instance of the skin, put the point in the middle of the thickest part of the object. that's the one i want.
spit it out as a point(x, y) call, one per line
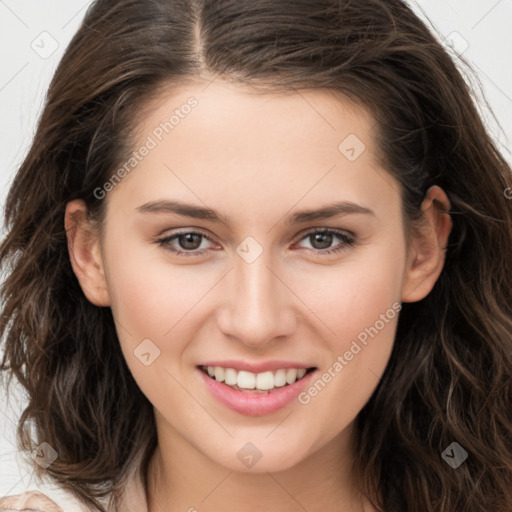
point(256, 159)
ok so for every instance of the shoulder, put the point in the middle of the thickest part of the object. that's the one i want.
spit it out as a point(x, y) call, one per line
point(36, 501)
point(29, 501)
point(56, 499)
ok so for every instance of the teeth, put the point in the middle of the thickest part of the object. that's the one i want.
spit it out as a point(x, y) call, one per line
point(219, 373)
point(230, 377)
point(280, 378)
point(246, 380)
point(264, 381)
point(291, 375)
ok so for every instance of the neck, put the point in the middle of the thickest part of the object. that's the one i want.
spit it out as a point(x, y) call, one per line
point(180, 478)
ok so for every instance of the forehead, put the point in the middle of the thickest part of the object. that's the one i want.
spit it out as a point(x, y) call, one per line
point(252, 116)
point(207, 140)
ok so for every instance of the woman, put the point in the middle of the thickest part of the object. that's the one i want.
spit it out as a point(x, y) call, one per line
point(259, 259)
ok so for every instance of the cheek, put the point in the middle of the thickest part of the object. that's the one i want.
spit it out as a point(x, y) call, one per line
point(149, 294)
point(151, 302)
point(361, 305)
point(352, 296)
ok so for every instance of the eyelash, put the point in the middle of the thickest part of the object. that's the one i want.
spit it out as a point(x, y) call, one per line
point(348, 241)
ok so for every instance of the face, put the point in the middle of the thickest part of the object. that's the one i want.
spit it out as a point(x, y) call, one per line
point(257, 240)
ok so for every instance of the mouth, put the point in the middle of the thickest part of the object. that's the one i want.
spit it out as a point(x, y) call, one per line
point(265, 382)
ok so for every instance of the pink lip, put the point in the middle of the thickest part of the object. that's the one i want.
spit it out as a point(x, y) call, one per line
point(256, 367)
point(254, 404)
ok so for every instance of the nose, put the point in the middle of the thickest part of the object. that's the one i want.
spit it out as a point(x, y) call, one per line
point(258, 308)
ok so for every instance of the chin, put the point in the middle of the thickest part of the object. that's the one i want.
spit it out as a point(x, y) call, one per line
point(254, 458)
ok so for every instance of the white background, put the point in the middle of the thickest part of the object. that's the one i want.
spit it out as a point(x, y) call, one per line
point(479, 28)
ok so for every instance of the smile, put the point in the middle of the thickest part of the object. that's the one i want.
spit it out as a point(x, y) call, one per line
point(250, 382)
point(255, 394)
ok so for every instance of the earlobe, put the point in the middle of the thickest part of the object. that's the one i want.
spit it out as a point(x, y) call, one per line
point(428, 246)
point(85, 254)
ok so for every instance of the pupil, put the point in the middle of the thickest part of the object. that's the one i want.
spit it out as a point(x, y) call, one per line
point(326, 243)
point(189, 237)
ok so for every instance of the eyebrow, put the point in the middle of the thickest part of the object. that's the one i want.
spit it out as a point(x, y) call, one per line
point(198, 212)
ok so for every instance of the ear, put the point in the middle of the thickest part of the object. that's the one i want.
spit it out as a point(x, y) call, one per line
point(427, 246)
point(85, 254)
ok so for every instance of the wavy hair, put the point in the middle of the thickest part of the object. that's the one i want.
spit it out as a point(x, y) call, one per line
point(449, 378)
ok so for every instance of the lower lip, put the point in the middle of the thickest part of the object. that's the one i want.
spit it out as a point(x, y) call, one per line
point(255, 404)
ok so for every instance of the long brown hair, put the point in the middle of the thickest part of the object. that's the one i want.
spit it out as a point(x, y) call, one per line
point(449, 378)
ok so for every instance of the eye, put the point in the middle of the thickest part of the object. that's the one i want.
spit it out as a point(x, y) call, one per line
point(321, 240)
point(189, 242)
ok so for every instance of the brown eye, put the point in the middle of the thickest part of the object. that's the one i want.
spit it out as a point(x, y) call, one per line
point(185, 243)
point(189, 241)
point(321, 240)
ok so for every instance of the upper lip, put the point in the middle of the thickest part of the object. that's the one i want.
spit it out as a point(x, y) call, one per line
point(257, 367)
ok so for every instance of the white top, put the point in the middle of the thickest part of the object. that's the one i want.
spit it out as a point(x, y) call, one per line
point(133, 500)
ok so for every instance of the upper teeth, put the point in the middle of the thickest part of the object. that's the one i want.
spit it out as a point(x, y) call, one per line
point(263, 381)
